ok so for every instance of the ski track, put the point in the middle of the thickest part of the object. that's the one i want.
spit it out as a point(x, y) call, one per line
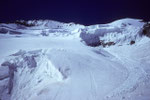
point(136, 76)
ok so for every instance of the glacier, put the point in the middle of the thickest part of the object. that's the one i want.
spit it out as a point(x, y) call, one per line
point(51, 60)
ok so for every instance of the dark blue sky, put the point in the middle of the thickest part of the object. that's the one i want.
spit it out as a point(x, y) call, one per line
point(79, 11)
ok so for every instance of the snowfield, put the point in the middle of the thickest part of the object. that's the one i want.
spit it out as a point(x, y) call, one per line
point(50, 60)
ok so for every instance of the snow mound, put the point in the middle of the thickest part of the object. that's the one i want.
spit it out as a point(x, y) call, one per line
point(30, 71)
point(128, 22)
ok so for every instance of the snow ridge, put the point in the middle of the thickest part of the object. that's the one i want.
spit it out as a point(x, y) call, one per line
point(30, 70)
point(118, 32)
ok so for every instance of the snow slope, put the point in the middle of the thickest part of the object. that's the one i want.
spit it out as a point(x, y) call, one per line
point(62, 64)
point(118, 32)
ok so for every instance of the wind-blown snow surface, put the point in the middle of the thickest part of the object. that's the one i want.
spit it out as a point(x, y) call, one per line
point(55, 61)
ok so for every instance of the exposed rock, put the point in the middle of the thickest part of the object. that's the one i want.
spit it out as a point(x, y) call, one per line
point(132, 42)
point(107, 44)
point(146, 29)
point(25, 23)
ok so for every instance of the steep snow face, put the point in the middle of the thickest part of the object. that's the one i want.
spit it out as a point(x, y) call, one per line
point(119, 32)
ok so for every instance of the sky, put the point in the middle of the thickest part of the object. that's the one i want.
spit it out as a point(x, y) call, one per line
point(85, 12)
